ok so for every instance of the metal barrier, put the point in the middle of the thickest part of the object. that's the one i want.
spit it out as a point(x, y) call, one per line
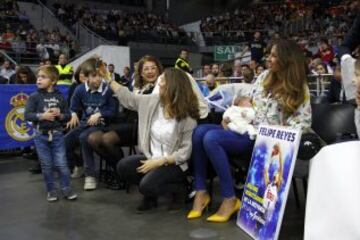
point(318, 84)
point(30, 53)
point(89, 39)
point(4, 55)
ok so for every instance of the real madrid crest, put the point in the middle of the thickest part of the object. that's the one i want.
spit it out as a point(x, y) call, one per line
point(15, 123)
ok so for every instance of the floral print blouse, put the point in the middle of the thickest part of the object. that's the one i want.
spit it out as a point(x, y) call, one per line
point(269, 111)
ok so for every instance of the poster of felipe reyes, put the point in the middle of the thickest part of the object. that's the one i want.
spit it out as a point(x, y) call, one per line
point(268, 181)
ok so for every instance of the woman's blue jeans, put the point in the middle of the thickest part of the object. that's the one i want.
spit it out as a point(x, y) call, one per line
point(212, 143)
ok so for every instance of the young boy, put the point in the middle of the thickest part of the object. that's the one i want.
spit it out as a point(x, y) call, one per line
point(48, 110)
point(95, 101)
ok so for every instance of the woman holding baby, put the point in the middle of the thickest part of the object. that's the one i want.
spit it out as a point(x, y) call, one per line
point(280, 97)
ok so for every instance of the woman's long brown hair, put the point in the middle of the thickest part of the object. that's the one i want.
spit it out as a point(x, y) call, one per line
point(289, 84)
point(139, 82)
point(179, 99)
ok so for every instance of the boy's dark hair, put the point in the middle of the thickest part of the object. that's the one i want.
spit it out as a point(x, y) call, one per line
point(93, 66)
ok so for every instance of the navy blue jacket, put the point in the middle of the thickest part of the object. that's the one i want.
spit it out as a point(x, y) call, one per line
point(352, 38)
point(88, 102)
point(39, 102)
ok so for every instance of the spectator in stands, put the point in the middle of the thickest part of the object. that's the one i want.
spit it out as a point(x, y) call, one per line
point(41, 50)
point(126, 78)
point(326, 52)
point(8, 36)
point(6, 70)
point(113, 75)
point(65, 70)
point(183, 63)
point(166, 122)
point(259, 70)
point(257, 47)
point(23, 75)
point(321, 69)
point(19, 47)
point(206, 70)
point(215, 70)
point(237, 70)
point(79, 78)
point(210, 84)
point(315, 62)
point(253, 65)
point(48, 62)
point(247, 73)
point(271, 98)
point(95, 102)
point(41, 63)
point(336, 92)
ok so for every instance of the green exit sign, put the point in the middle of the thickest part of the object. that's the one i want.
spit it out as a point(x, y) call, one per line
point(225, 53)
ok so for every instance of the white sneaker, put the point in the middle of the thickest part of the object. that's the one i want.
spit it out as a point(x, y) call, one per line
point(77, 172)
point(90, 183)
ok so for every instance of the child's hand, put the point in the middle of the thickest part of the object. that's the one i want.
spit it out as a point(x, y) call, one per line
point(74, 121)
point(55, 111)
point(94, 119)
point(48, 115)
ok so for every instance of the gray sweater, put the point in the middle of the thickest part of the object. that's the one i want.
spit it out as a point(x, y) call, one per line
point(146, 106)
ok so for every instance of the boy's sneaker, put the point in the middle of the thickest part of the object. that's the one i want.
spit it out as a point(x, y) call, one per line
point(69, 194)
point(90, 183)
point(77, 172)
point(52, 196)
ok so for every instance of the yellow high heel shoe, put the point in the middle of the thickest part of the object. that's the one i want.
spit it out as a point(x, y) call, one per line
point(196, 214)
point(220, 219)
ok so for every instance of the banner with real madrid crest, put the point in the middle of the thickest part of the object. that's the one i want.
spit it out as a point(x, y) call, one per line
point(15, 132)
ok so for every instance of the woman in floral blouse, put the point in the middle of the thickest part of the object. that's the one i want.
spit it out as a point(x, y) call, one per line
point(280, 97)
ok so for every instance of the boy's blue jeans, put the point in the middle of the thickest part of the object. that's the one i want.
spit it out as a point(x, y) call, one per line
point(78, 136)
point(52, 155)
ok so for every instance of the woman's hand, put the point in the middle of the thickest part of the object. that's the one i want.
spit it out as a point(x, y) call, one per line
point(225, 123)
point(94, 119)
point(74, 121)
point(151, 164)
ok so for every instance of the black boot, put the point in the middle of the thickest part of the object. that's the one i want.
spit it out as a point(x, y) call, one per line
point(177, 201)
point(147, 204)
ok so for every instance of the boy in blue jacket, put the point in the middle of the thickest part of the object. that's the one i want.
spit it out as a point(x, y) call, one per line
point(95, 101)
point(48, 110)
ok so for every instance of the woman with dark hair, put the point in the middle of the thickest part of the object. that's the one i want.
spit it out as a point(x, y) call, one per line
point(280, 97)
point(23, 75)
point(166, 123)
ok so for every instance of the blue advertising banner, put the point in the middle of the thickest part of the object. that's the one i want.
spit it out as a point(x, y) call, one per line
point(268, 181)
point(15, 132)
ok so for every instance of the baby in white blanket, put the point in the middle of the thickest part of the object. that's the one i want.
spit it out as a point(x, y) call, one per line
point(241, 114)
